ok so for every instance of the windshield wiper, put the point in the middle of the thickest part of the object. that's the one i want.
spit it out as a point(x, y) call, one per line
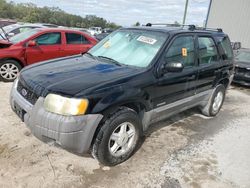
point(88, 54)
point(111, 60)
point(91, 55)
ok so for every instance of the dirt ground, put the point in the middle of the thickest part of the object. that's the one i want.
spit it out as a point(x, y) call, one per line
point(187, 150)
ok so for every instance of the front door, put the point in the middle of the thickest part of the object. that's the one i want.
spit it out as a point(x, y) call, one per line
point(174, 86)
point(49, 46)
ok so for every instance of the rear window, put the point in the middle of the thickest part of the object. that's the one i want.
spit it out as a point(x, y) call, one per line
point(225, 47)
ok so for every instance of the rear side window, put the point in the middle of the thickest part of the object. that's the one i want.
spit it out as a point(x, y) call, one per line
point(49, 39)
point(181, 50)
point(207, 50)
point(225, 48)
point(74, 38)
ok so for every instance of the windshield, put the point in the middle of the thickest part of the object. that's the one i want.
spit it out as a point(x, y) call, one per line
point(22, 36)
point(243, 56)
point(130, 47)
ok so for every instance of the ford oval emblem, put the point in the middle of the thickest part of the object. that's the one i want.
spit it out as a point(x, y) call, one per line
point(24, 92)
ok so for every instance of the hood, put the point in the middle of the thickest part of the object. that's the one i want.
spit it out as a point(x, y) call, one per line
point(242, 64)
point(69, 76)
point(5, 44)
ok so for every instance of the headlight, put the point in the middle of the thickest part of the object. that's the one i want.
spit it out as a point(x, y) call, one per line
point(15, 83)
point(65, 106)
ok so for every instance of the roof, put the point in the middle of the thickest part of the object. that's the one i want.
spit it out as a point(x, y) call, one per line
point(12, 27)
point(59, 29)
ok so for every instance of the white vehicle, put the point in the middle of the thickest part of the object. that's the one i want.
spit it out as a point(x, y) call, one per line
point(95, 30)
point(14, 29)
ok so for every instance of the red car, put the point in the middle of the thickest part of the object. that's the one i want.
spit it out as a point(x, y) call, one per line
point(39, 45)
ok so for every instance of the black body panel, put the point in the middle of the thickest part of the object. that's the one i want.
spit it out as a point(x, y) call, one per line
point(242, 73)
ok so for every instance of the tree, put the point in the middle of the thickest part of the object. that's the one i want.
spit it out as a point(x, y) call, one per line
point(137, 24)
point(29, 12)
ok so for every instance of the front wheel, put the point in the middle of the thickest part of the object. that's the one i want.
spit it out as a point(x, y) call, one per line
point(118, 138)
point(9, 70)
point(215, 102)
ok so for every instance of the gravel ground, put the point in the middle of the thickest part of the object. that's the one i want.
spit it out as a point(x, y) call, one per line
point(187, 150)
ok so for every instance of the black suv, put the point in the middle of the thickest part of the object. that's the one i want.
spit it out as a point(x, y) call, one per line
point(104, 100)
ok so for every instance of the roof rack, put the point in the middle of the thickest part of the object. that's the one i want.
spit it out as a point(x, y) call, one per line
point(190, 27)
point(209, 29)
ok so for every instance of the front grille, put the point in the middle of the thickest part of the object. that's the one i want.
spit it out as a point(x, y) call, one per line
point(28, 94)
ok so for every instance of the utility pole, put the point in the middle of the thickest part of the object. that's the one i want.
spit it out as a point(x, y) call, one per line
point(208, 13)
point(185, 13)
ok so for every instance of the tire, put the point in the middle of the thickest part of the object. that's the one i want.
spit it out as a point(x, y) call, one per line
point(9, 70)
point(118, 138)
point(215, 102)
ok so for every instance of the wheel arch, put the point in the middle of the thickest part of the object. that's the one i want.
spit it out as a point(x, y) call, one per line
point(22, 64)
point(225, 82)
point(136, 106)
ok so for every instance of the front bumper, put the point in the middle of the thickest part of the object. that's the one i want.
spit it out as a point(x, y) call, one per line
point(230, 80)
point(74, 133)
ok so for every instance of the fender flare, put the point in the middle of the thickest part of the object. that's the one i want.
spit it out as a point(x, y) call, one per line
point(121, 98)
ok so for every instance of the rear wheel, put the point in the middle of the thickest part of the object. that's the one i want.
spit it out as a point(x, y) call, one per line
point(118, 138)
point(215, 102)
point(9, 70)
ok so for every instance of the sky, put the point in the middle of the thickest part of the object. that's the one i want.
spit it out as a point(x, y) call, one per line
point(128, 12)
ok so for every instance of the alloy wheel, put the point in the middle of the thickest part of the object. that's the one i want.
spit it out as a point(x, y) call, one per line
point(9, 71)
point(122, 139)
point(217, 101)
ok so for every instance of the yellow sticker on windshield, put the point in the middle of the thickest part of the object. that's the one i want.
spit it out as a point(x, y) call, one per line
point(106, 44)
point(184, 52)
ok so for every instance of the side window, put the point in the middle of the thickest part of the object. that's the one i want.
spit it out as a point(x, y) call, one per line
point(49, 39)
point(207, 50)
point(182, 50)
point(74, 38)
point(225, 47)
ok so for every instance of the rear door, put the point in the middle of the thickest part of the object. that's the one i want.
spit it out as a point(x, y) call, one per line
point(49, 46)
point(209, 62)
point(76, 43)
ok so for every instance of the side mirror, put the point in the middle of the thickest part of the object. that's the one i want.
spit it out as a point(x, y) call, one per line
point(11, 35)
point(32, 43)
point(236, 45)
point(173, 67)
